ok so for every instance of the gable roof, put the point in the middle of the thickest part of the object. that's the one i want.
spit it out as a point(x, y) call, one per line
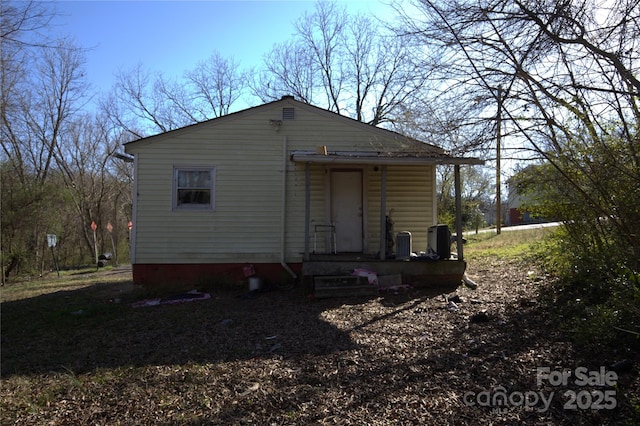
point(411, 150)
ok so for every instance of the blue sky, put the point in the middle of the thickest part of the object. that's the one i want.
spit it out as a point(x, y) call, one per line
point(173, 36)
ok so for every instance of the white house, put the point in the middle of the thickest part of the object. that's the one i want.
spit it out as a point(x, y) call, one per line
point(270, 186)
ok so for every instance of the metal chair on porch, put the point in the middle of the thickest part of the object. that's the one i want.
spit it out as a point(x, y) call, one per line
point(331, 229)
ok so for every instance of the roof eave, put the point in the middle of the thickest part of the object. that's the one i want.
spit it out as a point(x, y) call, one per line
point(382, 160)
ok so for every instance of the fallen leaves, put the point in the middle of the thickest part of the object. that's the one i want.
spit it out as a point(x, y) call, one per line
point(281, 359)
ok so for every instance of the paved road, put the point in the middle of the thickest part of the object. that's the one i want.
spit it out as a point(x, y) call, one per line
point(518, 227)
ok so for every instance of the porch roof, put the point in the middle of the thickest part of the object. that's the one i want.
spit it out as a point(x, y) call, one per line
point(380, 158)
point(322, 156)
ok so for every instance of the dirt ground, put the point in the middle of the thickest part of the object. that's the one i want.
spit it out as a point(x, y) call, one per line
point(493, 356)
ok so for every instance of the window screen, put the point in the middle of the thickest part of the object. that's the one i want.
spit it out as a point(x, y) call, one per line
point(194, 188)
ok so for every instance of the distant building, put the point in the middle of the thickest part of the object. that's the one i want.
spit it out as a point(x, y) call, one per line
point(519, 203)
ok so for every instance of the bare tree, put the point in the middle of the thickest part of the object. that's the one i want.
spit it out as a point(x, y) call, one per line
point(55, 164)
point(568, 72)
point(348, 64)
point(43, 173)
point(21, 42)
point(321, 33)
point(289, 69)
point(94, 184)
point(134, 106)
point(23, 24)
point(215, 84)
point(144, 103)
point(60, 93)
point(39, 107)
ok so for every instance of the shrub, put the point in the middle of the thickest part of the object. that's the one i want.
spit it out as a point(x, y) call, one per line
point(596, 295)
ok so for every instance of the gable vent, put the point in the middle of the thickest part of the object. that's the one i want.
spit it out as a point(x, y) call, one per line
point(288, 113)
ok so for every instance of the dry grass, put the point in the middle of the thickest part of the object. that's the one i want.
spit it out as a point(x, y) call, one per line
point(76, 356)
point(507, 245)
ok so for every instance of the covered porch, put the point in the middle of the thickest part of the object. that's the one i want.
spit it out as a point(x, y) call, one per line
point(331, 271)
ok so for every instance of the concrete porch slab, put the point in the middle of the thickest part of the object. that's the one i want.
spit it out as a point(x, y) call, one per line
point(415, 273)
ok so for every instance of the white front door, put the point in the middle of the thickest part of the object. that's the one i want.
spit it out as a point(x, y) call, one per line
point(346, 209)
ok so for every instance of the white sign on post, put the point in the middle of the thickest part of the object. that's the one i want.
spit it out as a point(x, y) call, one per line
point(52, 240)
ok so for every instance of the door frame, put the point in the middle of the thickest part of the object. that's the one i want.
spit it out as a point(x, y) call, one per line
point(365, 210)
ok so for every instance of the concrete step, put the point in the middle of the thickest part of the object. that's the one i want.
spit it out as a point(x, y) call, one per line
point(342, 285)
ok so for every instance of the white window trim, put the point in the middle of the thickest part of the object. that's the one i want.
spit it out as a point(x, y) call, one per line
point(193, 207)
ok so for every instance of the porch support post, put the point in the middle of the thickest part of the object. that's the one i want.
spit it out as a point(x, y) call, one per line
point(383, 210)
point(458, 213)
point(307, 207)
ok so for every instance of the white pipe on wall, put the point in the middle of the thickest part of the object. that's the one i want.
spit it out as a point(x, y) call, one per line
point(133, 235)
point(283, 216)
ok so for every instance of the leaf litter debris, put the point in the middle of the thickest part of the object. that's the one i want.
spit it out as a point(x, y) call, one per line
point(280, 358)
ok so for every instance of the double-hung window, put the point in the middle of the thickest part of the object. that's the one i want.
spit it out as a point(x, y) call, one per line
point(194, 188)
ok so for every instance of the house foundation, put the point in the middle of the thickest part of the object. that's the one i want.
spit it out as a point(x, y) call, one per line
point(415, 273)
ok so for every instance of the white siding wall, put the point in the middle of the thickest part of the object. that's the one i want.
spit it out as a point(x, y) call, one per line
point(248, 155)
point(409, 190)
point(248, 162)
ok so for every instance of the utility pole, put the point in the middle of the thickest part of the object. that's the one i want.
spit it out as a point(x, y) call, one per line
point(498, 194)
